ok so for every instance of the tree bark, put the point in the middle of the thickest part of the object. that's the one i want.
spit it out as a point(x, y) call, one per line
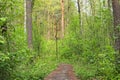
point(79, 12)
point(109, 3)
point(29, 22)
point(78, 4)
point(116, 15)
point(62, 18)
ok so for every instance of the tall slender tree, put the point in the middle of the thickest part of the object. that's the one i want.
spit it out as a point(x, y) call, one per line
point(109, 3)
point(79, 12)
point(62, 18)
point(28, 19)
point(78, 4)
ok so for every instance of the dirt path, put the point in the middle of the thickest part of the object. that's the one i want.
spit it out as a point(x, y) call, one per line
point(63, 72)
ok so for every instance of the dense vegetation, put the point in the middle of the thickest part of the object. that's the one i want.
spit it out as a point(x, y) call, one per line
point(87, 41)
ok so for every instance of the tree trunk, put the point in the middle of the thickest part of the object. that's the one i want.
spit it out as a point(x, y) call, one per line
point(109, 3)
point(29, 22)
point(79, 12)
point(116, 15)
point(78, 4)
point(62, 18)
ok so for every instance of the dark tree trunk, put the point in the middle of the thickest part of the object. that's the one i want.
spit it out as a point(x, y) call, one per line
point(78, 3)
point(79, 12)
point(116, 15)
point(29, 22)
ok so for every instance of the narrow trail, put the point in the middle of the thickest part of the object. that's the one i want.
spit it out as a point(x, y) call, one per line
point(63, 72)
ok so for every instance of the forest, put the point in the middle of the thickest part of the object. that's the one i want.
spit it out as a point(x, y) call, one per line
point(38, 35)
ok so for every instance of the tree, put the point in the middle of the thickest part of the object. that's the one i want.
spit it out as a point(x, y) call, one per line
point(78, 4)
point(62, 17)
point(109, 3)
point(28, 23)
point(116, 16)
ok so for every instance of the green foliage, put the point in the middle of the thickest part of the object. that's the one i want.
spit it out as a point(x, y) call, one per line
point(3, 20)
point(31, 66)
point(105, 63)
point(93, 46)
point(5, 67)
point(2, 41)
point(87, 46)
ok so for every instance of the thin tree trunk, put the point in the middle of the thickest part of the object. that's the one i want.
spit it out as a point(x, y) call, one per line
point(62, 18)
point(56, 40)
point(25, 16)
point(108, 3)
point(29, 22)
point(78, 3)
point(48, 29)
point(79, 12)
